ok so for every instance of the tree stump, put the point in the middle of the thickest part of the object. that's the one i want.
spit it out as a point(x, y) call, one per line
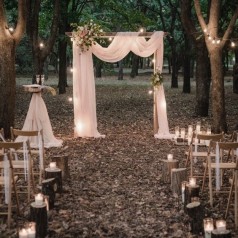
point(57, 175)
point(62, 163)
point(38, 214)
point(177, 177)
point(196, 214)
point(167, 166)
point(48, 188)
point(190, 191)
point(221, 234)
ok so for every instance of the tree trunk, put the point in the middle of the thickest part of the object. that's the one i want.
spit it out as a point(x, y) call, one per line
point(235, 78)
point(174, 81)
point(120, 72)
point(202, 80)
point(62, 66)
point(7, 84)
point(186, 68)
point(218, 96)
point(135, 65)
point(98, 67)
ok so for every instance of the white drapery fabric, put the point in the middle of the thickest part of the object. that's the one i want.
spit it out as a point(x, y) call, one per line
point(85, 118)
point(37, 118)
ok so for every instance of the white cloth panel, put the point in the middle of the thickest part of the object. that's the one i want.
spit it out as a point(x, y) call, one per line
point(84, 84)
point(36, 119)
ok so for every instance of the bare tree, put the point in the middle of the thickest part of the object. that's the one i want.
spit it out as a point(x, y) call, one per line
point(8, 43)
point(215, 55)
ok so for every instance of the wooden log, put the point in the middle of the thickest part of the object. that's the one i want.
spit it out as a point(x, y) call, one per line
point(49, 187)
point(167, 166)
point(177, 177)
point(62, 163)
point(221, 234)
point(38, 214)
point(57, 175)
point(196, 214)
point(190, 191)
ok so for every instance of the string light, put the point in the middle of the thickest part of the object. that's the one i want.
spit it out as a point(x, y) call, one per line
point(215, 40)
point(70, 99)
point(71, 70)
point(150, 92)
point(110, 38)
point(11, 29)
point(41, 45)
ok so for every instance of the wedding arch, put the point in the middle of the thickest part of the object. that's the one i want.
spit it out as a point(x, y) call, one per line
point(84, 98)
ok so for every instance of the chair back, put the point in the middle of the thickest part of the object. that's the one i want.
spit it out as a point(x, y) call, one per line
point(212, 137)
point(2, 135)
point(17, 132)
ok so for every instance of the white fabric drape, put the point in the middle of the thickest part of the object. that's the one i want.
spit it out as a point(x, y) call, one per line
point(37, 118)
point(83, 78)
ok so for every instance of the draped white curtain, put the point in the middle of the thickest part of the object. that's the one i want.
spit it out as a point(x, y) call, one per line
point(85, 118)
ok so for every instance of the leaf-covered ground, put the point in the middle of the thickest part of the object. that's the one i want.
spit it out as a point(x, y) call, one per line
point(115, 188)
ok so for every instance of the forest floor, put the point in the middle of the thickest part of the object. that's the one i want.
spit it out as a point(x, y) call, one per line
point(115, 187)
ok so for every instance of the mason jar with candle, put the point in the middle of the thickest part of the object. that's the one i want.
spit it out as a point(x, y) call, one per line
point(39, 199)
point(192, 181)
point(52, 165)
point(170, 157)
point(221, 225)
point(208, 227)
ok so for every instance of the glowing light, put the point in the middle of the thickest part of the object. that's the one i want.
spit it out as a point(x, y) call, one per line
point(163, 104)
point(41, 45)
point(150, 92)
point(79, 127)
point(11, 29)
point(213, 41)
point(205, 30)
point(70, 99)
point(233, 44)
point(209, 37)
point(153, 61)
point(218, 41)
point(72, 39)
point(71, 70)
point(110, 38)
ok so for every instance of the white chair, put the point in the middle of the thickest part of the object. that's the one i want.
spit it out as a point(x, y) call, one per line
point(219, 165)
point(38, 152)
point(8, 179)
point(22, 166)
point(198, 149)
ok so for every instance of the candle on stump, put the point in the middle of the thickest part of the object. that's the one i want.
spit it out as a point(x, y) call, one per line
point(39, 199)
point(183, 132)
point(208, 227)
point(192, 182)
point(170, 157)
point(23, 233)
point(31, 230)
point(183, 184)
point(177, 131)
point(221, 225)
point(198, 127)
point(52, 165)
point(190, 130)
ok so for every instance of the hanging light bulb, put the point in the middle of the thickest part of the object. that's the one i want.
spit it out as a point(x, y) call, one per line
point(110, 38)
point(233, 44)
point(213, 41)
point(70, 99)
point(11, 29)
point(71, 69)
point(41, 44)
point(209, 37)
point(205, 30)
point(218, 41)
point(150, 92)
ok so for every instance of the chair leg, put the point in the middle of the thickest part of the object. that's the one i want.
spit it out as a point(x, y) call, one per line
point(204, 177)
point(236, 210)
point(230, 195)
point(210, 181)
point(9, 210)
point(16, 194)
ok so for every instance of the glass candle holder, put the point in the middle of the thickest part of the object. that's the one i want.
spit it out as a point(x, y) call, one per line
point(221, 225)
point(208, 227)
point(192, 182)
point(198, 127)
point(170, 157)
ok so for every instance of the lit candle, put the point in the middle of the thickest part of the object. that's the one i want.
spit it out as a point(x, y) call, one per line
point(23, 233)
point(183, 190)
point(208, 227)
point(52, 165)
point(190, 130)
point(209, 130)
point(39, 199)
point(221, 225)
point(192, 182)
point(170, 157)
point(198, 127)
point(182, 132)
point(31, 230)
point(177, 131)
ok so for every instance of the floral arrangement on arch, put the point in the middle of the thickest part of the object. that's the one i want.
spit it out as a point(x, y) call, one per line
point(156, 78)
point(85, 35)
